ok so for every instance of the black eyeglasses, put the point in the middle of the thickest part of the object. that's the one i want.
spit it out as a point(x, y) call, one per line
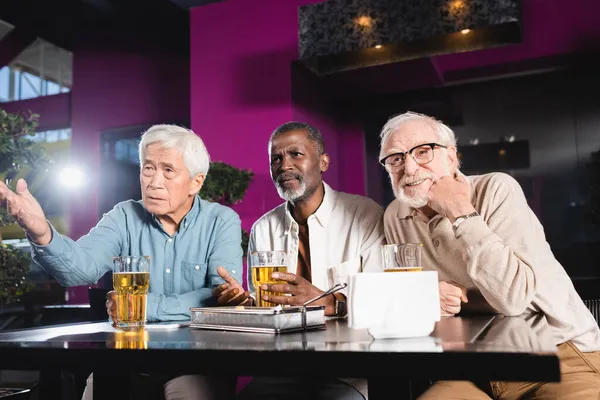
point(422, 154)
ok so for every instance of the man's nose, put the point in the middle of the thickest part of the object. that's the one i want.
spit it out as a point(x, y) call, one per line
point(286, 163)
point(156, 180)
point(410, 165)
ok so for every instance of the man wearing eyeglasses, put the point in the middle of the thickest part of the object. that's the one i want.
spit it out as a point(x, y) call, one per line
point(480, 235)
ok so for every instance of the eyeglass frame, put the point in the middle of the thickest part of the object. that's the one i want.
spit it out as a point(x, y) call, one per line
point(409, 152)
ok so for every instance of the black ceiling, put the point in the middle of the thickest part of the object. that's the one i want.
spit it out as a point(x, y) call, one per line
point(71, 24)
point(187, 4)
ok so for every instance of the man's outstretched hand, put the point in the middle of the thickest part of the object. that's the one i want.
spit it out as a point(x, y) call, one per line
point(27, 211)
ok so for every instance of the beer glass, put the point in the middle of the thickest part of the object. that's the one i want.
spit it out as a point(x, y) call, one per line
point(131, 281)
point(262, 265)
point(403, 257)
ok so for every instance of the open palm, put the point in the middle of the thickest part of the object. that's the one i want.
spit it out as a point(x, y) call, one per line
point(27, 211)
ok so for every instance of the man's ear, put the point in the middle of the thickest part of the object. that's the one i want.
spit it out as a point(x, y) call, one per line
point(197, 183)
point(324, 162)
point(452, 158)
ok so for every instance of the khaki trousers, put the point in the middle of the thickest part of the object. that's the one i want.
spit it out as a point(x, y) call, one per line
point(580, 380)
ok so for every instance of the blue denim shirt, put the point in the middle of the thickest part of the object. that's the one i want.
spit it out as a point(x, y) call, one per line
point(183, 267)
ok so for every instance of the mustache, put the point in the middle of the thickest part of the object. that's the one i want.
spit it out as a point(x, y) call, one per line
point(289, 175)
point(407, 180)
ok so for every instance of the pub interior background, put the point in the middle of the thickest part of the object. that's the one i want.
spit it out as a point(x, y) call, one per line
point(100, 71)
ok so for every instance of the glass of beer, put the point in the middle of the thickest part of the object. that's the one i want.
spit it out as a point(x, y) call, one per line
point(403, 257)
point(131, 281)
point(262, 265)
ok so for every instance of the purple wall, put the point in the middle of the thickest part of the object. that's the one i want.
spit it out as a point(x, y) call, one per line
point(113, 90)
point(241, 86)
point(55, 111)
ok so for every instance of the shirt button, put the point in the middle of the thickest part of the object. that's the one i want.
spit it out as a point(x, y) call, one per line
point(168, 270)
point(40, 251)
point(197, 267)
point(436, 243)
point(169, 240)
point(233, 271)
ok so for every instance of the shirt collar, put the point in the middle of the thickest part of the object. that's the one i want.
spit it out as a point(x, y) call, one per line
point(323, 213)
point(190, 216)
point(194, 211)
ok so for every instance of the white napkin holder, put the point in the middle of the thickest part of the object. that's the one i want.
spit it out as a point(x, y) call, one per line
point(394, 305)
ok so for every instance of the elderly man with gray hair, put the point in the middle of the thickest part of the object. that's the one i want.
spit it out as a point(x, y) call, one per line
point(479, 233)
point(187, 238)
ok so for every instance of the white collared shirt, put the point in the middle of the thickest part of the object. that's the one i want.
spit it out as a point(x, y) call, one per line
point(345, 236)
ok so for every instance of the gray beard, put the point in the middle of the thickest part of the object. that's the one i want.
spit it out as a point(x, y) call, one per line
point(414, 202)
point(291, 195)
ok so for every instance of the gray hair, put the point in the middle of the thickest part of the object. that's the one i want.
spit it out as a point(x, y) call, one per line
point(445, 135)
point(314, 135)
point(195, 156)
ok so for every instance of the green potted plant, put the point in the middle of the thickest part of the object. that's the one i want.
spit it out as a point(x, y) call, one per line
point(17, 154)
point(227, 185)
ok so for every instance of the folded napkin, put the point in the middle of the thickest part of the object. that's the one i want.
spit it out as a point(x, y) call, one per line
point(394, 305)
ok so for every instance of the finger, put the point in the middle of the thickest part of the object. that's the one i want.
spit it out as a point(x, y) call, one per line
point(130, 307)
point(460, 178)
point(286, 276)
point(216, 292)
point(227, 297)
point(449, 305)
point(242, 299)
point(22, 188)
point(450, 299)
point(450, 309)
point(444, 313)
point(463, 291)
point(451, 288)
point(279, 288)
point(5, 192)
point(111, 310)
point(227, 276)
point(450, 292)
point(248, 301)
point(283, 300)
point(463, 296)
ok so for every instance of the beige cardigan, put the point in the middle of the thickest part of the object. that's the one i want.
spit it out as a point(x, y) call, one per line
point(503, 254)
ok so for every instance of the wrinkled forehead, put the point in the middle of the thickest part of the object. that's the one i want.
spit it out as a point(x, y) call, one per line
point(287, 140)
point(162, 152)
point(408, 135)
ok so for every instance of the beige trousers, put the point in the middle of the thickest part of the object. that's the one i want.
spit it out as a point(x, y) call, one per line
point(187, 387)
point(580, 380)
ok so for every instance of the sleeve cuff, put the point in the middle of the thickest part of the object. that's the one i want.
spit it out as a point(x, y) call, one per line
point(152, 304)
point(472, 231)
point(57, 245)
